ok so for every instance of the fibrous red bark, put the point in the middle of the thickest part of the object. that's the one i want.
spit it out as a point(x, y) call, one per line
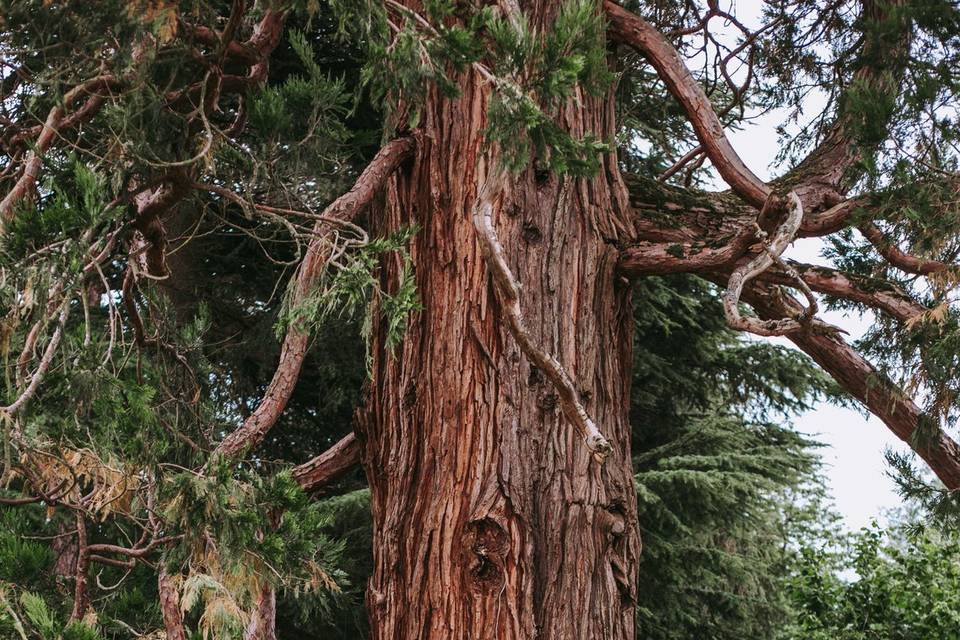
point(492, 518)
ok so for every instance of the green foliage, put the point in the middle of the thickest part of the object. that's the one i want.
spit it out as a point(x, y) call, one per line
point(715, 475)
point(533, 72)
point(352, 285)
point(874, 585)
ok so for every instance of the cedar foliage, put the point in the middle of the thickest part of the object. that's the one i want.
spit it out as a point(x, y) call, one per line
point(720, 478)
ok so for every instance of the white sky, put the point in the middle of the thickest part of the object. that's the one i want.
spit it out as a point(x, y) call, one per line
point(855, 465)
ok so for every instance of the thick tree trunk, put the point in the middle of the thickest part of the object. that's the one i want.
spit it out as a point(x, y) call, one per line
point(492, 519)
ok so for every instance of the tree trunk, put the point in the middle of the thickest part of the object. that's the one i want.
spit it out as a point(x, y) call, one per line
point(492, 518)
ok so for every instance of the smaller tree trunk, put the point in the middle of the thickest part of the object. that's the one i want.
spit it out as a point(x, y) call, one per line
point(170, 606)
point(264, 617)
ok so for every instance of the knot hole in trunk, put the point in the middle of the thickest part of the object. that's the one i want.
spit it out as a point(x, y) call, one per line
point(486, 545)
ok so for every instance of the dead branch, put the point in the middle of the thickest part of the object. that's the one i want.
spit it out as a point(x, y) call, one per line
point(508, 290)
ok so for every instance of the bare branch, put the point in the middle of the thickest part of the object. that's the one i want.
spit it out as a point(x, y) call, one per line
point(508, 290)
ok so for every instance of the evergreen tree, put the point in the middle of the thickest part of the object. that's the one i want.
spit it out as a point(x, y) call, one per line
point(448, 202)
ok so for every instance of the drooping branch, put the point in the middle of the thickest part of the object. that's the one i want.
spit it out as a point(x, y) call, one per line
point(508, 290)
point(294, 348)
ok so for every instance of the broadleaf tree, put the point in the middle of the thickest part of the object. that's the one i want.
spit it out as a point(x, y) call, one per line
point(535, 159)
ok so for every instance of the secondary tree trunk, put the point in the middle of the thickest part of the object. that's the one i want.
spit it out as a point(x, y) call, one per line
point(492, 519)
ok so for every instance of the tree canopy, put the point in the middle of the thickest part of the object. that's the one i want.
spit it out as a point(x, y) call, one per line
point(199, 289)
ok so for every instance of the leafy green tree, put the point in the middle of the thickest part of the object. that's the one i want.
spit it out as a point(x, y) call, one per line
point(876, 586)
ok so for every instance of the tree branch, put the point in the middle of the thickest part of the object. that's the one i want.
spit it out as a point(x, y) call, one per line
point(632, 30)
point(47, 135)
point(329, 465)
point(294, 348)
point(861, 380)
point(896, 256)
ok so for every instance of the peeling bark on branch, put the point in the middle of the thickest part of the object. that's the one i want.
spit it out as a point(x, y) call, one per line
point(509, 291)
point(754, 267)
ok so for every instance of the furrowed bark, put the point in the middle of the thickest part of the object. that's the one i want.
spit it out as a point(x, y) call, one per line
point(491, 519)
point(295, 342)
point(170, 606)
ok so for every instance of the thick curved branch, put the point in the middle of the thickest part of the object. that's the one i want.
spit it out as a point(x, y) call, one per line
point(882, 63)
point(294, 348)
point(508, 290)
point(632, 30)
point(658, 258)
point(329, 465)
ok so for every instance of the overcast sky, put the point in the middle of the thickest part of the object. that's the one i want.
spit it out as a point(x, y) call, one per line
point(855, 464)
